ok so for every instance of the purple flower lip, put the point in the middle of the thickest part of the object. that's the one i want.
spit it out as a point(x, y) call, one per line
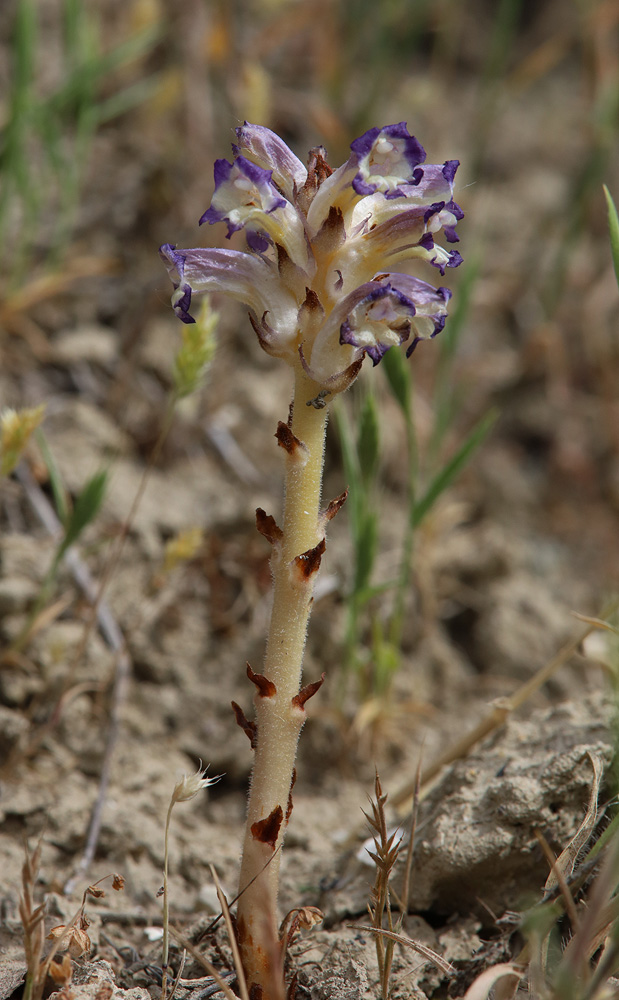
point(182, 290)
point(385, 306)
point(454, 260)
point(449, 170)
point(248, 180)
point(386, 152)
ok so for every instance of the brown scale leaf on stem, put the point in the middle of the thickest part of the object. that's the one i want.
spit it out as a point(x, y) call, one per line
point(307, 692)
point(309, 562)
point(249, 728)
point(266, 688)
point(335, 505)
point(268, 527)
point(287, 440)
point(267, 830)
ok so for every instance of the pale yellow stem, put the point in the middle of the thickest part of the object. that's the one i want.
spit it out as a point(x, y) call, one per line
point(279, 721)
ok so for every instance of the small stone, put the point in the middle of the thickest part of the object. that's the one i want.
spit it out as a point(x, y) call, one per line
point(208, 899)
point(16, 592)
point(349, 983)
point(13, 730)
point(94, 344)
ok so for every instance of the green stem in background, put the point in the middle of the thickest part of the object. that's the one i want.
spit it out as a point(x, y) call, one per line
point(406, 556)
point(280, 714)
point(360, 454)
point(84, 512)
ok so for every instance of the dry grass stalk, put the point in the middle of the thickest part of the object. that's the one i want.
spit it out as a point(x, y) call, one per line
point(422, 949)
point(408, 863)
point(204, 962)
point(387, 849)
point(225, 909)
point(185, 789)
point(501, 981)
point(33, 922)
point(566, 861)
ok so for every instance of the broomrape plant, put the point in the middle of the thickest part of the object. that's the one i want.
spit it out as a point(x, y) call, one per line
point(319, 281)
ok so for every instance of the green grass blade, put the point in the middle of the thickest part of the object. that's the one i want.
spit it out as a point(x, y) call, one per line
point(453, 468)
point(58, 490)
point(444, 402)
point(613, 225)
point(366, 544)
point(15, 166)
point(398, 374)
point(85, 510)
point(368, 442)
point(128, 99)
point(375, 590)
point(351, 468)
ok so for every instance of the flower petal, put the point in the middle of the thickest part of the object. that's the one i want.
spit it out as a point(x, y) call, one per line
point(405, 236)
point(379, 321)
point(433, 189)
point(266, 149)
point(247, 278)
point(242, 191)
point(377, 315)
point(434, 181)
point(246, 197)
point(386, 158)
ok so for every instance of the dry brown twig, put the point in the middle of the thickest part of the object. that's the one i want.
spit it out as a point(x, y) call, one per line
point(33, 919)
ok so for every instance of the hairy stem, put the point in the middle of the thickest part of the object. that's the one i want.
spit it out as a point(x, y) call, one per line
point(279, 718)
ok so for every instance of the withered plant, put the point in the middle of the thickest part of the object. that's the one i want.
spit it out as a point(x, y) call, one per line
point(387, 848)
point(71, 938)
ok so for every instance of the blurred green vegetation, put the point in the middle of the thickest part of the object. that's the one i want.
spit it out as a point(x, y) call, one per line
point(48, 131)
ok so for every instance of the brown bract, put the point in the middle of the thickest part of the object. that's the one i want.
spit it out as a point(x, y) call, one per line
point(266, 688)
point(267, 830)
point(267, 526)
point(286, 439)
point(249, 728)
point(292, 784)
point(335, 505)
point(309, 562)
point(307, 692)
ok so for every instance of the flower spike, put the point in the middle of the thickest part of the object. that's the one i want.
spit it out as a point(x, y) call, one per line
point(319, 274)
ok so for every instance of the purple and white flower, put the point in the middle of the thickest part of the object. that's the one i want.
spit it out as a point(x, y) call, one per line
point(318, 274)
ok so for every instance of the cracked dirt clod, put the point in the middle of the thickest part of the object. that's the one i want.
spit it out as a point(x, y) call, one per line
point(476, 834)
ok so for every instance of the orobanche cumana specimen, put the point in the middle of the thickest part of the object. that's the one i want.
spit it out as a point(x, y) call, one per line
point(320, 279)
